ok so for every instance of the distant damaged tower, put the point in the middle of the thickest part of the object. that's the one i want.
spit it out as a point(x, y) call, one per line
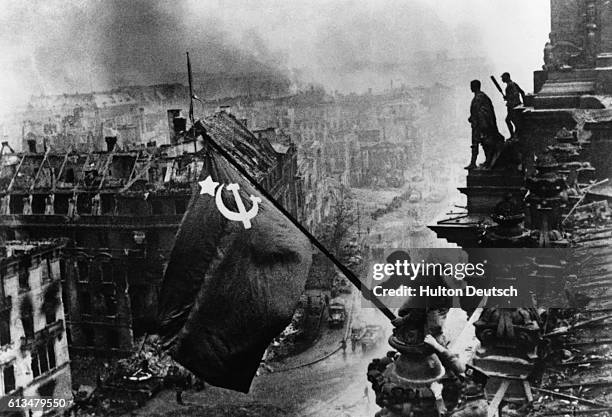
point(176, 124)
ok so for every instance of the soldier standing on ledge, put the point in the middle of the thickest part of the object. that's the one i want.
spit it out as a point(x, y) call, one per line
point(484, 126)
point(515, 96)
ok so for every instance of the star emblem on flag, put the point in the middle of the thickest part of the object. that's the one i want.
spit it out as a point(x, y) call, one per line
point(208, 186)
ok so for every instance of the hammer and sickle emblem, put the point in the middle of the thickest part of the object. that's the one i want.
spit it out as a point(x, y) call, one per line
point(243, 215)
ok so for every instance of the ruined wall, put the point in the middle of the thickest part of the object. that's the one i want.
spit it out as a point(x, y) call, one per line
point(581, 28)
point(599, 150)
point(99, 309)
point(38, 348)
point(567, 20)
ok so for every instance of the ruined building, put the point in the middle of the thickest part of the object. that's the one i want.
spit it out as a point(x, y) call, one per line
point(120, 209)
point(34, 359)
point(133, 114)
point(539, 194)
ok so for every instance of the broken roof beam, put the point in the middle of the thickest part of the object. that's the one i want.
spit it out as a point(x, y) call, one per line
point(134, 175)
point(107, 163)
point(10, 187)
point(61, 169)
point(40, 168)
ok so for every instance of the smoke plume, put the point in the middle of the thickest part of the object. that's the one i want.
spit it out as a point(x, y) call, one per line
point(67, 46)
point(56, 46)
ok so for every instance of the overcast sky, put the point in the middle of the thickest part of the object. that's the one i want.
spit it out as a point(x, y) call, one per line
point(63, 46)
point(512, 33)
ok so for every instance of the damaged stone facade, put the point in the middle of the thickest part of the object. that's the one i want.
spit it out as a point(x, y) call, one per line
point(34, 359)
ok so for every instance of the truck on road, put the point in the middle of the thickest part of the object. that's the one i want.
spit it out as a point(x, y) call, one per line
point(337, 313)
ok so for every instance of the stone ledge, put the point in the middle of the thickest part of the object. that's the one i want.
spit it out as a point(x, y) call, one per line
point(604, 60)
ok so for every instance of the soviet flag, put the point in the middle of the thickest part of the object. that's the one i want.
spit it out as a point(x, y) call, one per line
point(235, 275)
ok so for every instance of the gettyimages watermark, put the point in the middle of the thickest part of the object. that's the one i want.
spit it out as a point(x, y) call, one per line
point(508, 278)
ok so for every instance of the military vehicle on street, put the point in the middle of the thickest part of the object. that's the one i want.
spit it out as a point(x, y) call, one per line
point(337, 313)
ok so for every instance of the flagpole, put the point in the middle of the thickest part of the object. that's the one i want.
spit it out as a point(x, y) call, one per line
point(190, 79)
point(365, 291)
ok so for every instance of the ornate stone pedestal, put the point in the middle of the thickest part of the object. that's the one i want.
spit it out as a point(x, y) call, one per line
point(410, 382)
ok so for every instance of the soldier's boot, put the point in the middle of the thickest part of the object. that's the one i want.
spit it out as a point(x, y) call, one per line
point(487, 163)
point(472, 164)
point(489, 150)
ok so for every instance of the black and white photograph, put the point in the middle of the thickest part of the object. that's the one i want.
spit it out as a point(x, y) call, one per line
point(306, 208)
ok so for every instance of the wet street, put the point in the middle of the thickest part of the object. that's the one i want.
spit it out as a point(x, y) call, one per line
point(323, 381)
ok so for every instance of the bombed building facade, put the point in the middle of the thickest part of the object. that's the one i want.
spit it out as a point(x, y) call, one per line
point(34, 360)
point(120, 209)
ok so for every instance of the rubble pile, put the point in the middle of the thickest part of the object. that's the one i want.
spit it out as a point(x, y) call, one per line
point(292, 339)
point(595, 214)
point(130, 382)
point(158, 362)
point(577, 365)
point(223, 410)
point(578, 371)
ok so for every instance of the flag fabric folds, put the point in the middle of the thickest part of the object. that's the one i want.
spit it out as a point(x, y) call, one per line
point(229, 290)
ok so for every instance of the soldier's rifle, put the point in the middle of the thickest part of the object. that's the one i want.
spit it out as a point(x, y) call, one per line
point(498, 86)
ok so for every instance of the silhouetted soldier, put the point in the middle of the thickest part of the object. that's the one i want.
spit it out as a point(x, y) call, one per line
point(484, 126)
point(515, 96)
